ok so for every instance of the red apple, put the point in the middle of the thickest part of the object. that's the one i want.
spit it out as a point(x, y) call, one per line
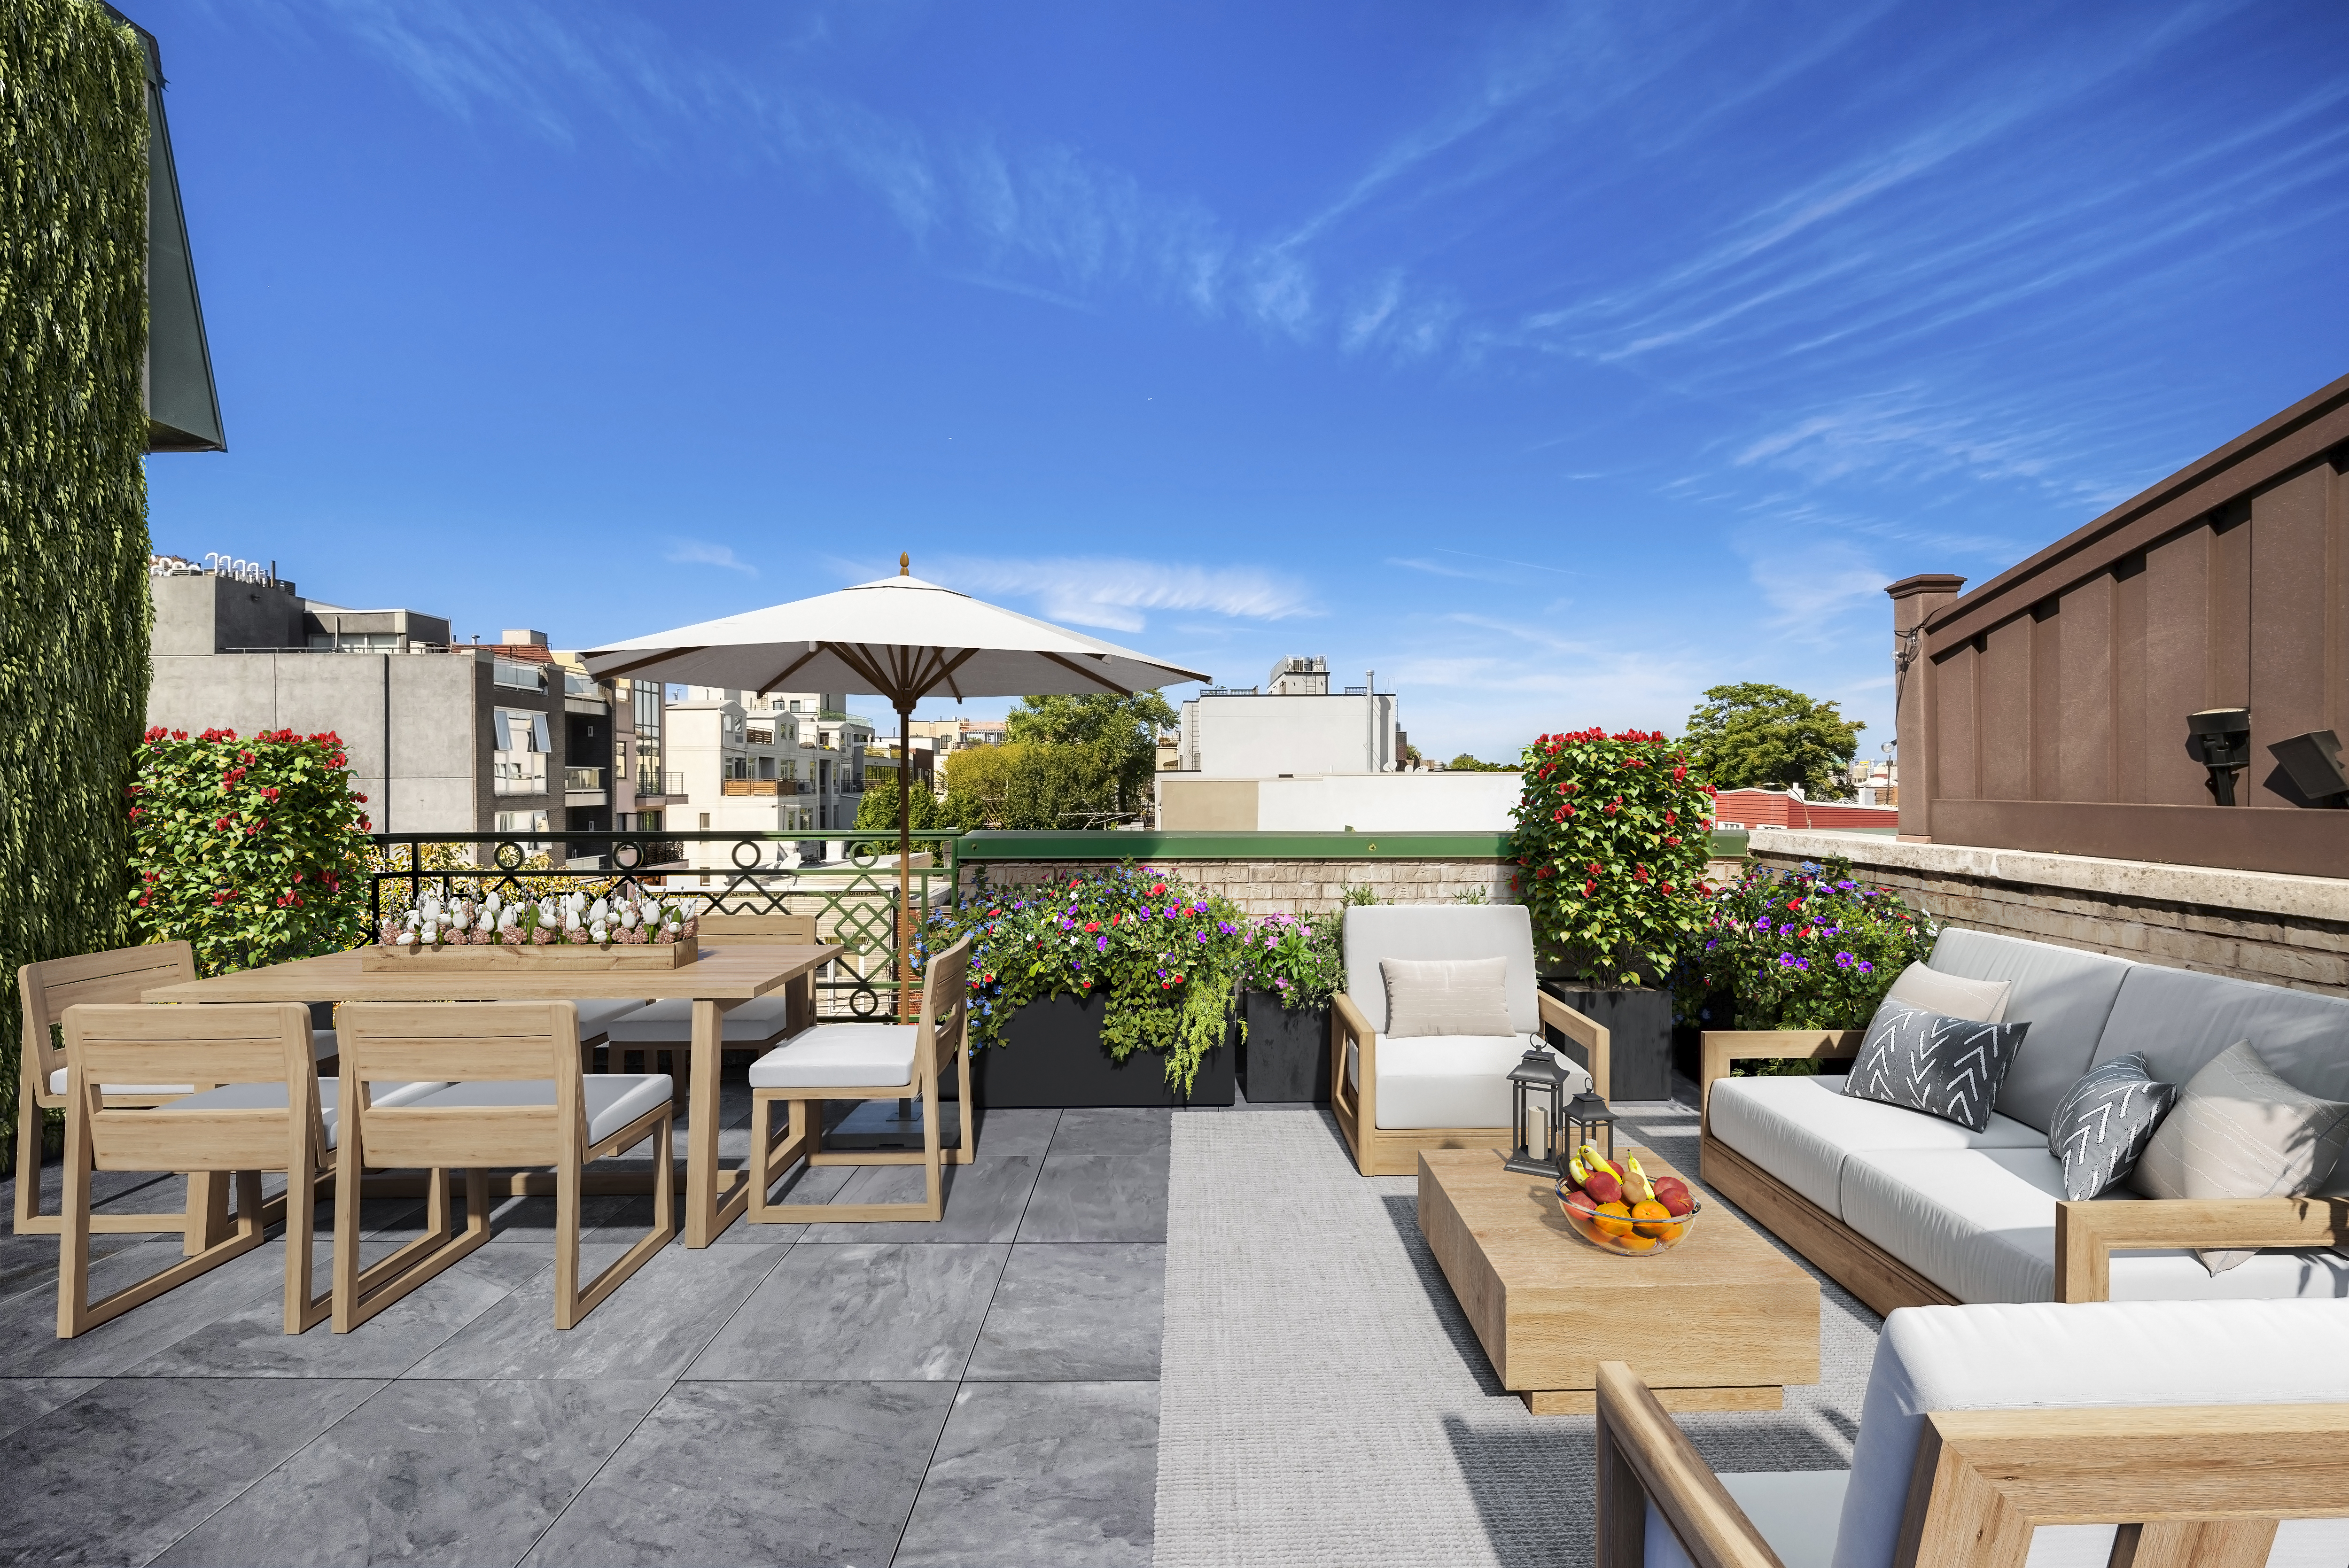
point(1603, 1188)
point(1673, 1194)
point(1581, 1204)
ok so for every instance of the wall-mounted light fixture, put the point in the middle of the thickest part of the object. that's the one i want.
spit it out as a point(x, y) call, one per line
point(2312, 762)
point(2221, 737)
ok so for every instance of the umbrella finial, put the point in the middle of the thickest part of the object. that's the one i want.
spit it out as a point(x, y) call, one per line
point(904, 564)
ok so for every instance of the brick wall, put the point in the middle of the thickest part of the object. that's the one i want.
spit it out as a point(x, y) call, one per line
point(2253, 925)
point(1276, 887)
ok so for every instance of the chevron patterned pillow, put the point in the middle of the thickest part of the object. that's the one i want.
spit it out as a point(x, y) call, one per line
point(2103, 1122)
point(1949, 1067)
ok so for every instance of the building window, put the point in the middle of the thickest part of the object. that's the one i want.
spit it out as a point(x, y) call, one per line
point(520, 742)
point(522, 821)
point(518, 674)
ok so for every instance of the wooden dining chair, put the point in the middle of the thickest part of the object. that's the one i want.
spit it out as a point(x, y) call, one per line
point(514, 1096)
point(664, 1029)
point(866, 1061)
point(249, 1100)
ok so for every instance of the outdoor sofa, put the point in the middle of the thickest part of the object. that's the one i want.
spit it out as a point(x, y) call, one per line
point(1906, 1210)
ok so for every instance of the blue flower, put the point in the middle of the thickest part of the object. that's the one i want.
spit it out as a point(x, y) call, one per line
point(1843, 960)
point(1865, 967)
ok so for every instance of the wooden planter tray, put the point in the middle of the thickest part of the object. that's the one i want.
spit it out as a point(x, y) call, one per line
point(375, 958)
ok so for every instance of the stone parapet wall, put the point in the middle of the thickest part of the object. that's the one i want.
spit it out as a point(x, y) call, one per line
point(2252, 925)
point(1290, 886)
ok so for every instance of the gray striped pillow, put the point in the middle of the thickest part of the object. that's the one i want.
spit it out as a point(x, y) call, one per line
point(2103, 1122)
point(2240, 1131)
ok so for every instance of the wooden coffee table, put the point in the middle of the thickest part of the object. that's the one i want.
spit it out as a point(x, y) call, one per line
point(1721, 1322)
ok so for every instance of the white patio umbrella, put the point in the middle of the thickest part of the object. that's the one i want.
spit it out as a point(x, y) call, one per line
point(903, 639)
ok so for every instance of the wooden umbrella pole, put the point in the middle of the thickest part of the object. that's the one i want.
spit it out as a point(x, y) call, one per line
point(907, 1007)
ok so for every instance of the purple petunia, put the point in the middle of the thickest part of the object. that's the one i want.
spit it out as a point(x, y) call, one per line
point(1785, 960)
point(1843, 960)
point(1101, 944)
point(1865, 967)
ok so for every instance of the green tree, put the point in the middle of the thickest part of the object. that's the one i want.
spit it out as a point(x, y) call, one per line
point(879, 809)
point(1463, 763)
point(1029, 785)
point(1121, 731)
point(1752, 735)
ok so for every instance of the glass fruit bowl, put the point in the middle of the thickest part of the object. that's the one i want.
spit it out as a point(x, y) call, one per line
point(1622, 1235)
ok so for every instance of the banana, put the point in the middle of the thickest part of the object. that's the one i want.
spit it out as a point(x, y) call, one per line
point(1598, 1162)
point(1576, 1173)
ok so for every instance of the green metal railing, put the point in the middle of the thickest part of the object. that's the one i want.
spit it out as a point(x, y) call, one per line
point(853, 897)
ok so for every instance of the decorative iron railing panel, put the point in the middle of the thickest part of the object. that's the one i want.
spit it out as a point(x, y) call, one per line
point(853, 896)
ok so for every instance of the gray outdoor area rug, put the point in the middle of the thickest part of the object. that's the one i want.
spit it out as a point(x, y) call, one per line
point(1323, 1400)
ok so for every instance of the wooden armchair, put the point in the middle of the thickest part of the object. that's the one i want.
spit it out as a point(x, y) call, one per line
point(513, 1095)
point(866, 1061)
point(253, 1103)
point(1985, 1425)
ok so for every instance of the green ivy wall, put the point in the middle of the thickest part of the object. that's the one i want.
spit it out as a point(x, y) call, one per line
point(74, 612)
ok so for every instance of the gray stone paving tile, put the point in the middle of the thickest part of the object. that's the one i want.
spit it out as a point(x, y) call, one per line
point(1098, 1198)
point(1116, 1130)
point(28, 1263)
point(792, 1472)
point(252, 1342)
point(1016, 1131)
point(882, 1311)
point(122, 1472)
point(1040, 1474)
point(524, 1220)
point(29, 1346)
point(650, 1328)
point(1071, 1310)
point(984, 1201)
point(429, 1473)
point(28, 1399)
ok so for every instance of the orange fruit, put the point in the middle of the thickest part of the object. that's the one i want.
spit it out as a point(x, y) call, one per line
point(1635, 1244)
point(1647, 1215)
point(1613, 1219)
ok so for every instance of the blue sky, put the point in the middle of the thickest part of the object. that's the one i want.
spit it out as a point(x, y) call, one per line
point(1555, 362)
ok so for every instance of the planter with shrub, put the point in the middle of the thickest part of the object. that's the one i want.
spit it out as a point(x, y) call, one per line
point(1292, 967)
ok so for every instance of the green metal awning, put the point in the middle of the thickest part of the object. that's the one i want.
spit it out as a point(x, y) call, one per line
point(183, 408)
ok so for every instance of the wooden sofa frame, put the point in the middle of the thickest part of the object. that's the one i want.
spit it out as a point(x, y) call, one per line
point(2086, 1233)
point(2195, 1487)
point(1394, 1152)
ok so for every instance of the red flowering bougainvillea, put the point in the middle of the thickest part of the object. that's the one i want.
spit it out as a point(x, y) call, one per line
point(252, 850)
point(1613, 835)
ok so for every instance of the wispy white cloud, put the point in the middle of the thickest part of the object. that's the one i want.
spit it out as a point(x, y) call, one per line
point(700, 552)
point(1118, 592)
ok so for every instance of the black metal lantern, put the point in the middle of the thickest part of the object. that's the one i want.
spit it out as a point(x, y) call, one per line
point(2221, 741)
point(1588, 1120)
point(1537, 1097)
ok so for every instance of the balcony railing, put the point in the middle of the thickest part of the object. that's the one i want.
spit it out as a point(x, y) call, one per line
point(750, 786)
point(575, 684)
point(518, 778)
point(649, 783)
point(835, 716)
point(583, 779)
point(520, 675)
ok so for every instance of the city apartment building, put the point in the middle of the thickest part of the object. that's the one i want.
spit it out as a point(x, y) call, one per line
point(1292, 726)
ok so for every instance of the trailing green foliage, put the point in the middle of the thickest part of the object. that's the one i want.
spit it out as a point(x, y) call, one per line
point(1806, 949)
point(1613, 835)
point(253, 851)
point(1168, 959)
point(1766, 737)
point(73, 493)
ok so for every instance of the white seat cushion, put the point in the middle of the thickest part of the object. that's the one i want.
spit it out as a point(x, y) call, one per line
point(1981, 1223)
point(272, 1097)
point(1800, 1131)
point(1795, 1511)
point(2043, 1355)
point(1431, 931)
point(670, 1022)
point(322, 1045)
point(597, 1013)
point(842, 1056)
point(614, 1100)
point(1449, 1080)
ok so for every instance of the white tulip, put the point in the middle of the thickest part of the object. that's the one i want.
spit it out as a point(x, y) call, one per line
point(430, 907)
point(600, 912)
point(628, 921)
point(431, 933)
point(598, 934)
point(494, 903)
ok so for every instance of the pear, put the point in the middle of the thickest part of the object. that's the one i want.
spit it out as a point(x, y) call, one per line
point(1637, 1188)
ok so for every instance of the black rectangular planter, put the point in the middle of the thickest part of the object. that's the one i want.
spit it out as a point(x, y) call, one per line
point(1285, 1057)
point(1639, 1021)
point(1054, 1059)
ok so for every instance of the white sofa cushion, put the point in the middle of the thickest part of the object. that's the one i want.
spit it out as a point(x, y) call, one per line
point(670, 1022)
point(841, 1055)
point(1445, 996)
point(1449, 1080)
point(2042, 1355)
point(2181, 1020)
point(2064, 995)
point(1981, 1223)
point(1425, 930)
point(1951, 995)
point(614, 1100)
point(1801, 1130)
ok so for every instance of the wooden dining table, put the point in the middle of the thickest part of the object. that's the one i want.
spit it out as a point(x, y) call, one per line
point(720, 980)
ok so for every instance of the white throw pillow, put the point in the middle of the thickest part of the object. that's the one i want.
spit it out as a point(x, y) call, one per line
point(1952, 995)
point(1446, 997)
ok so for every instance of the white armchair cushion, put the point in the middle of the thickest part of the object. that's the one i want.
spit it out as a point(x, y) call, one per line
point(1425, 930)
point(1981, 1223)
point(614, 1100)
point(1801, 1130)
point(670, 1022)
point(272, 1097)
point(1449, 1080)
point(1795, 1511)
point(841, 1055)
point(2043, 1355)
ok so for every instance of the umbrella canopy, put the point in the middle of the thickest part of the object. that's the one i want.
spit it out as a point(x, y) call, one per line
point(903, 639)
point(900, 638)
